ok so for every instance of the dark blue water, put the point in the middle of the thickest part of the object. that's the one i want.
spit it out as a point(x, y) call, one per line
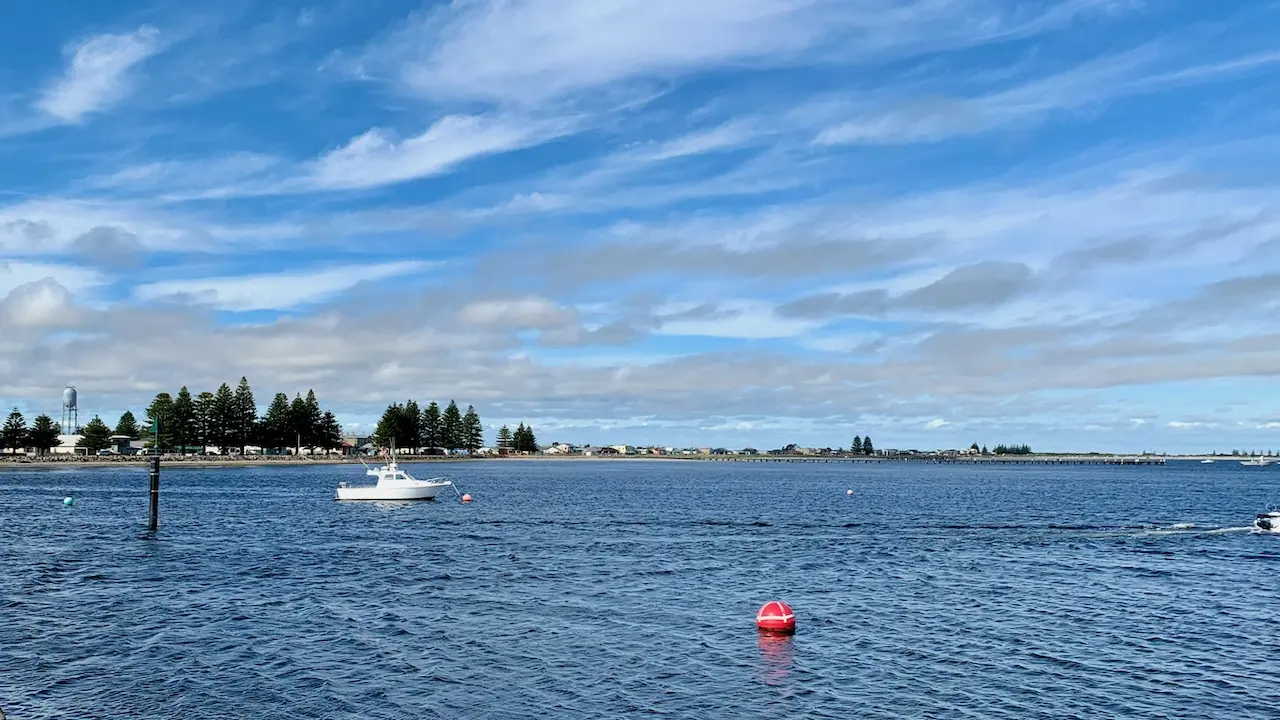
point(603, 589)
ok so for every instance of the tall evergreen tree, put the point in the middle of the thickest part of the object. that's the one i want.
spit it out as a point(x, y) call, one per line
point(298, 417)
point(410, 428)
point(472, 430)
point(451, 427)
point(96, 435)
point(128, 425)
point(159, 413)
point(43, 434)
point(224, 419)
point(524, 440)
point(330, 432)
point(312, 420)
point(867, 447)
point(182, 421)
point(385, 434)
point(857, 445)
point(430, 429)
point(277, 424)
point(505, 441)
point(246, 415)
point(14, 433)
point(204, 422)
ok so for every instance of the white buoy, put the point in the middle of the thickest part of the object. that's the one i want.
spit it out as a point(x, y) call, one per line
point(68, 501)
point(848, 492)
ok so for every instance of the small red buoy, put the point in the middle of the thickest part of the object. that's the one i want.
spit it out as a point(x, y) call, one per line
point(776, 617)
point(466, 498)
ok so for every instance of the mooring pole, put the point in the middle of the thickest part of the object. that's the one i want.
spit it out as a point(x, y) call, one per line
point(153, 516)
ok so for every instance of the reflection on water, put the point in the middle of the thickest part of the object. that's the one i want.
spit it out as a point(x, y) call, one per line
point(777, 656)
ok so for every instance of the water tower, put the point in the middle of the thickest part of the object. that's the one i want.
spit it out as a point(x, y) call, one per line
point(70, 413)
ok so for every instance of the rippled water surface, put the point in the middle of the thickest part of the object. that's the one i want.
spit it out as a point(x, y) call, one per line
point(601, 589)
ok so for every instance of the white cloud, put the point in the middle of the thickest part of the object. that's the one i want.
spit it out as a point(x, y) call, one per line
point(933, 117)
point(377, 158)
point(97, 73)
point(41, 303)
point(936, 423)
point(531, 51)
point(14, 274)
point(743, 319)
point(273, 291)
point(532, 312)
point(1185, 424)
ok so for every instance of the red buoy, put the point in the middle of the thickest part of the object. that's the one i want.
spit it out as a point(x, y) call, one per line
point(776, 617)
point(466, 498)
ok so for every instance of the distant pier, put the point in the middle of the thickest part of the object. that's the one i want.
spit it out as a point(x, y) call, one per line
point(949, 459)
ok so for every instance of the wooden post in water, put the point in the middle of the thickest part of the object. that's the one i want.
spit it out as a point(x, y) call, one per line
point(153, 516)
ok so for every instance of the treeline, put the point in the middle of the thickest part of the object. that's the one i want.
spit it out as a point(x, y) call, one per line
point(522, 440)
point(1013, 450)
point(410, 428)
point(862, 446)
point(42, 435)
point(228, 420)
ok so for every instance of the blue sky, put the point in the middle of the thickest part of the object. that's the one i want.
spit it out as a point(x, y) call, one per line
point(737, 222)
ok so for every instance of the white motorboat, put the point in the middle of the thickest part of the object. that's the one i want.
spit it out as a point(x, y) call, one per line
point(393, 484)
point(1257, 462)
point(1268, 521)
point(1206, 462)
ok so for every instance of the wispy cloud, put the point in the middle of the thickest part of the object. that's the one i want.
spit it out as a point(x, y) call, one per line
point(272, 291)
point(933, 116)
point(97, 75)
point(377, 158)
point(533, 51)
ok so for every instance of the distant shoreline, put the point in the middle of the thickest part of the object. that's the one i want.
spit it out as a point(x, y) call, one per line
point(22, 463)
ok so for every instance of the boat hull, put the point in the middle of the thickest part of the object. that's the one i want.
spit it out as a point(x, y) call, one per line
point(373, 492)
point(1268, 522)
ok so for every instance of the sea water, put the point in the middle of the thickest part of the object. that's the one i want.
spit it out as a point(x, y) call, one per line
point(582, 589)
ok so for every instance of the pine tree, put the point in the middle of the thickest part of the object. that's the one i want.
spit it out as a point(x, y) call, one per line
point(388, 426)
point(96, 435)
point(277, 424)
point(43, 434)
point(867, 447)
point(430, 427)
point(523, 439)
point(246, 415)
point(984, 450)
point(182, 422)
point(225, 418)
point(158, 413)
point(311, 421)
point(204, 422)
point(128, 425)
point(974, 447)
point(451, 427)
point(472, 430)
point(330, 432)
point(857, 445)
point(297, 422)
point(14, 433)
point(410, 434)
point(505, 440)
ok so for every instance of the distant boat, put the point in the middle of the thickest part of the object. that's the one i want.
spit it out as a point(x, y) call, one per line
point(1257, 462)
point(393, 484)
point(1206, 462)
